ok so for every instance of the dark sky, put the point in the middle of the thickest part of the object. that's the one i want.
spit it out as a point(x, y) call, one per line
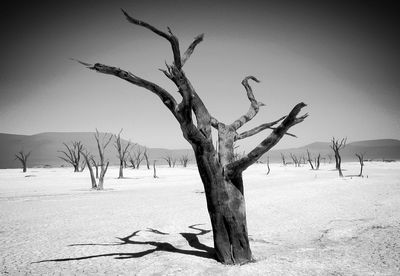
point(340, 58)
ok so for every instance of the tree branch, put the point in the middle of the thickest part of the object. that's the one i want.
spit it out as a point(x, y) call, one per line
point(258, 129)
point(254, 105)
point(191, 47)
point(170, 37)
point(165, 97)
point(240, 165)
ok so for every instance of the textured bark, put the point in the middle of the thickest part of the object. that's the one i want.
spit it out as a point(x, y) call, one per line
point(220, 172)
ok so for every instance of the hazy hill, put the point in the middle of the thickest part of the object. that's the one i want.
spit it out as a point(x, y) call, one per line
point(388, 149)
point(45, 147)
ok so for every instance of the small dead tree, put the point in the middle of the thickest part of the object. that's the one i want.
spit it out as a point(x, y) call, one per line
point(88, 159)
point(121, 153)
point(154, 170)
point(283, 159)
point(137, 158)
point(269, 169)
point(317, 161)
point(360, 157)
point(336, 147)
point(23, 158)
point(220, 173)
point(72, 154)
point(184, 160)
point(309, 160)
point(295, 160)
point(169, 159)
point(146, 158)
point(102, 143)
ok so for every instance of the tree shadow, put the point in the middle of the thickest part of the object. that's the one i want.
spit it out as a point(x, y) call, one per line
point(202, 251)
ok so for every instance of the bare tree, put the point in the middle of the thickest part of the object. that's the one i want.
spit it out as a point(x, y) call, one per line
point(360, 157)
point(295, 160)
point(169, 159)
point(72, 154)
point(336, 147)
point(154, 170)
point(88, 159)
point(102, 143)
point(309, 160)
point(283, 159)
point(184, 160)
point(269, 169)
point(132, 161)
point(146, 158)
point(220, 174)
point(121, 153)
point(316, 161)
point(23, 158)
point(137, 158)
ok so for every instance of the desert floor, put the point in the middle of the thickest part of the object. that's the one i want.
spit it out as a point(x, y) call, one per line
point(300, 222)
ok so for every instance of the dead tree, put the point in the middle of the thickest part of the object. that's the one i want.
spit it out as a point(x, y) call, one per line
point(295, 160)
point(317, 161)
point(169, 159)
point(88, 159)
point(309, 160)
point(121, 153)
point(137, 158)
point(102, 143)
point(154, 170)
point(146, 158)
point(336, 147)
point(269, 169)
point(132, 161)
point(96, 165)
point(283, 159)
point(360, 157)
point(73, 154)
point(220, 174)
point(23, 158)
point(184, 160)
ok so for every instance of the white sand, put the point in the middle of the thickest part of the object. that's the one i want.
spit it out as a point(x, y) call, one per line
point(300, 222)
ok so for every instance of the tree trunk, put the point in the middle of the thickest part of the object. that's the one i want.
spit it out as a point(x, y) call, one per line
point(121, 169)
point(226, 207)
point(76, 168)
point(24, 168)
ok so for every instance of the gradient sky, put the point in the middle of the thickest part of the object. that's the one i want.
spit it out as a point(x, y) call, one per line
point(340, 59)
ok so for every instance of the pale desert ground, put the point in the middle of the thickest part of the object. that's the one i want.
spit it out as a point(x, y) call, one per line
point(300, 222)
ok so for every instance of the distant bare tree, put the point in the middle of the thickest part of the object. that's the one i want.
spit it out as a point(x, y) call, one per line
point(102, 143)
point(137, 157)
point(88, 159)
point(336, 147)
point(96, 165)
point(360, 157)
point(295, 160)
point(132, 161)
point(23, 158)
point(121, 153)
point(269, 169)
point(73, 154)
point(330, 158)
point(146, 158)
point(169, 160)
point(184, 160)
point(316, 161)
point(154, 170)
point(283, 159)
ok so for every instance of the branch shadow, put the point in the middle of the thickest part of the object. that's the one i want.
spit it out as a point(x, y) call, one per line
point(202, 251)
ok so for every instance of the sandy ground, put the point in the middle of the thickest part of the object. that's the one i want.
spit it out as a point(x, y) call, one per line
point(300, 222)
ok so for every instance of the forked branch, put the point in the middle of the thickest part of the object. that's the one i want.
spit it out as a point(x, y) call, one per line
point(254, 104)
point(243, 163)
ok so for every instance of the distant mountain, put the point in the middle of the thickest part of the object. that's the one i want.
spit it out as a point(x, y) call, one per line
point(388, 149)
point(45, 148)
